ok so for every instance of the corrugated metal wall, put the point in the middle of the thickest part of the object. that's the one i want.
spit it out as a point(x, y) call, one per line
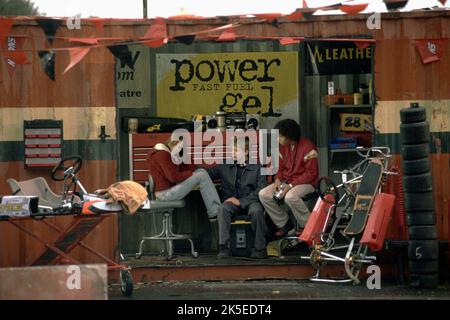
point(85, 99)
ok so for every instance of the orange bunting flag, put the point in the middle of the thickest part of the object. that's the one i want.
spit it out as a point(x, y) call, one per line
point(158, 30)
point(296, 15)
point(155, 43)
point(268, 16)
point(362, 44)
point(99, 24)
point(84, 40)
point(287, 40)
point(19, 57)
point(227, 35)
point(76, 55)
point(353, 9)
point(156, 35)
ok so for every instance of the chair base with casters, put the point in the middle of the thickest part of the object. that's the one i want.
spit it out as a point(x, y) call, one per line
point(167, 235)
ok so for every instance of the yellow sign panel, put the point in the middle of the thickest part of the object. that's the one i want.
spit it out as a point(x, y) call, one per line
point(356, 122)
point(254, 82)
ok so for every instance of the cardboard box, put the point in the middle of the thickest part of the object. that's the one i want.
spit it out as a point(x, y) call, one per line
point(338, 99)
point(18, 206)
point(364, 139)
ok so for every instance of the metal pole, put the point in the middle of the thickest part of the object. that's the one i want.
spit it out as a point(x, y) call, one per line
point(145, 8)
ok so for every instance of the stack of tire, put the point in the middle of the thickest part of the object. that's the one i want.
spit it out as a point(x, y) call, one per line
point(423, 248)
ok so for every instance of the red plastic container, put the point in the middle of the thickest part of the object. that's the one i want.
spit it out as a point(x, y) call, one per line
point(376, 227)
point(316, 221)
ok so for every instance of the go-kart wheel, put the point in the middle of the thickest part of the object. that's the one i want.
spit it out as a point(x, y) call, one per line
point(352, 268)
point(316, 260)
point(126, 283)
point(73, 161)
point(330, 188)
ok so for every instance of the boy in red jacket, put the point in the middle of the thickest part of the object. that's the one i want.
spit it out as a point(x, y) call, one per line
point(298, 172)
point(174, 180)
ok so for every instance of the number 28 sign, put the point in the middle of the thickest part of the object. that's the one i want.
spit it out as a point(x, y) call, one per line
point(356, 122)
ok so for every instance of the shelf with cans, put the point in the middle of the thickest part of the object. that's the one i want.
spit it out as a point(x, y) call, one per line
point(350, 120)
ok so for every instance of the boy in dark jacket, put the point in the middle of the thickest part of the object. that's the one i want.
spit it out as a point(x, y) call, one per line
point(241, 184)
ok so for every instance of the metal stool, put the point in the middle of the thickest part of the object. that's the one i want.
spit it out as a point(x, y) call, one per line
point(166, 234)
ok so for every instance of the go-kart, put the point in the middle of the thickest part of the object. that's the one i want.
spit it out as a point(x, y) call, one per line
point(349, 221)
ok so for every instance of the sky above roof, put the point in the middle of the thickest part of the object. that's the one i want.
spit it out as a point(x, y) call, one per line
point(205, 8)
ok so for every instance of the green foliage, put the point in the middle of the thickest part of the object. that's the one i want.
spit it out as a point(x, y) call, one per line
point(18, 8)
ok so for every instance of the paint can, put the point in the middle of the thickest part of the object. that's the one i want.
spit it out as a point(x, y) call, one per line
point(133, 125)
point(220, 116)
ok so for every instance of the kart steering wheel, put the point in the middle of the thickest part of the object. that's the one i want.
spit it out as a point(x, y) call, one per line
point(330, 188)
point(64, 164)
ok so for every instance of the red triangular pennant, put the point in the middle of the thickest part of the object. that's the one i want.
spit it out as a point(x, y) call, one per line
point(19, 57)
point(76, 55)
point(431, 50)
point(268, 16)
point(99, 24)
point(296, 15)
point(84, 40)
point(353, 9)
point(158, 30)
point(362, 44)
point(287, 40)
point(155, 43)
point(227, 36)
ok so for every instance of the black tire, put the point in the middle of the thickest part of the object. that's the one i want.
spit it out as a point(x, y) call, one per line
point(420, 250)
point(423, 267)
point(414, 133)
point(415, 151)
point(411, 115)
point(419, 201)
point(415, 218)
point(126, 283)
point(422, 232)
point(416, 166)
point(424, 280)
point(418, 182)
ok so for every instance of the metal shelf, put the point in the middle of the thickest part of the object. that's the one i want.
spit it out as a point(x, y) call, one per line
point(343, 106)
point(349, 150)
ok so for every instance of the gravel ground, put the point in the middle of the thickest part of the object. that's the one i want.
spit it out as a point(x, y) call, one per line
point(275, 289)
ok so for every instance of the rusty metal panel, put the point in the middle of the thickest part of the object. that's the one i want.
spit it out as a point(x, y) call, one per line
point(74, 282)
point(401, 75)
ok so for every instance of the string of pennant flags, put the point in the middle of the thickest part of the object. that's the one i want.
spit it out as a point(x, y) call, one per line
point(11, 45)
